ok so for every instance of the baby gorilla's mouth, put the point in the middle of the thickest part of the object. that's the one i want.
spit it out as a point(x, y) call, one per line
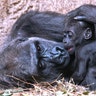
point(70, 49)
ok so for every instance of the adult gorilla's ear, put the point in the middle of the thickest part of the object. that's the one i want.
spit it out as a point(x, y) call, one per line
point(87, 33)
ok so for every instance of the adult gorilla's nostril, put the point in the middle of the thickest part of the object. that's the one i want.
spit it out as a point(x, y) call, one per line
point(57, 51)
point(59, 55)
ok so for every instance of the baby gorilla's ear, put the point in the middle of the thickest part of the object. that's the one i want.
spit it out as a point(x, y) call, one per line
point(87, 34)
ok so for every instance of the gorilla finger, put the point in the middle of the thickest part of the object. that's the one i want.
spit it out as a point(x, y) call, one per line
point(80, 18)
point(85, 19)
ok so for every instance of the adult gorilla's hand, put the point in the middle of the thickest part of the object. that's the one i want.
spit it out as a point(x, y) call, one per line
point(86, 13)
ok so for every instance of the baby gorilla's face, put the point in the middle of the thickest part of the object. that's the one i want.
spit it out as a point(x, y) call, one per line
point(25, 58)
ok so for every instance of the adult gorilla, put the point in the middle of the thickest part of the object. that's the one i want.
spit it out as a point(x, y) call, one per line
point(26, 58)
point(48, 25)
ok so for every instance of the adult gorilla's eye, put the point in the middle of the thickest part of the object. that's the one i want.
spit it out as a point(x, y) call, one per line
point(20, 40)
point(39, 47)
point(42, 65)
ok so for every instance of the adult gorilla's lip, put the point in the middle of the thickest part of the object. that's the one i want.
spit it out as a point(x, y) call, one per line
point(64, 58)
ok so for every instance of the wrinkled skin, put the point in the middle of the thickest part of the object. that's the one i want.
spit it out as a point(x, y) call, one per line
point(79, 39)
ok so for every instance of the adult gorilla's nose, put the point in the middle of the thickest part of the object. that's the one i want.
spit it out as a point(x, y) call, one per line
point(57, 55)
point(57, 51)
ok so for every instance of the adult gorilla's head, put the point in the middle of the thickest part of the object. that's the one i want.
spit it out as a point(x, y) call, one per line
point(22, 59)
point(33, 59)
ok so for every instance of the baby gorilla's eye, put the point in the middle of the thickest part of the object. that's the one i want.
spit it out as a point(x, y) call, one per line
point(64, 35)
point(70, 34)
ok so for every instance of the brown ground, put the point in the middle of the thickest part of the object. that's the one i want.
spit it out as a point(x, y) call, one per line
point(46, 89)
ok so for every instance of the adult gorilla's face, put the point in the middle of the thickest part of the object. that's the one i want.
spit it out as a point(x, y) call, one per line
point(25, 58)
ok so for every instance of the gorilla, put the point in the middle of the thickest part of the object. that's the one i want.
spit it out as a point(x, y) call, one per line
point(80, 41)
point(48, 25)
point(33, 52)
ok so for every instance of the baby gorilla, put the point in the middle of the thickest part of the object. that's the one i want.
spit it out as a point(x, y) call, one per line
point(23, 60)
point(80, 41)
